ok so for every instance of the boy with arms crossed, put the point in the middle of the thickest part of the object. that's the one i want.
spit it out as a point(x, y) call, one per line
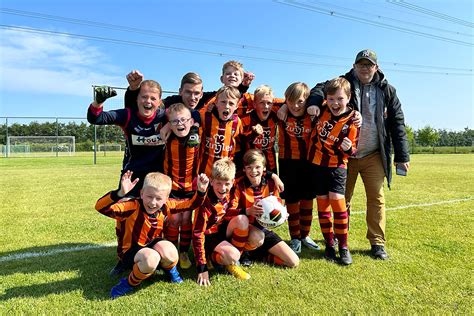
point(332, 142)
point(219, 232)
point(140, 222)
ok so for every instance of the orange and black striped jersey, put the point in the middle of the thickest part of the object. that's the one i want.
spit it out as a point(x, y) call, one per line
point(266, 141)
point(219, 139)
point(293, 137)
point(246, 195)
point(181, 164)
point(133, 224)
point(326, 138)
point(207, 219)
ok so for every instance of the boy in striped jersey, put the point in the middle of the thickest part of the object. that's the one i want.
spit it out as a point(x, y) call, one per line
point(294, 134)
point(262, 244)
point(260, 126)
point(221, 129)
point(332, 142)
point(181, 164)
point(140, 223)
point(220, 232)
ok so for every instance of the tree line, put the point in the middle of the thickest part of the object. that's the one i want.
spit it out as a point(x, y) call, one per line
point(84, 133)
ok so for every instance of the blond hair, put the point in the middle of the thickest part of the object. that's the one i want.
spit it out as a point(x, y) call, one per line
point(158, 181)
point(252, 156)
point(229, 91)
point(152, 84)
point(262, 90)
point(191, 78)
point(337, 83)
point(176, 107)
point(223, 169)
point(295, 91)
point(235, 64)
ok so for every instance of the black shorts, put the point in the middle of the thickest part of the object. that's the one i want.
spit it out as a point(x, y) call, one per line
point(329, 179)
point(128, 258)
point(297, 180)
point(212, 240)
point(271, 239)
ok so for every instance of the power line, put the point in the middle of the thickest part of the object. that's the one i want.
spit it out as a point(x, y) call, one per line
point(294, 3)
point(380, 17)
point(97, 24)
point(431, 13)
point(186, 50)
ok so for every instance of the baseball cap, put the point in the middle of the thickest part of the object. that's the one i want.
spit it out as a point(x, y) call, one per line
point(368, 54)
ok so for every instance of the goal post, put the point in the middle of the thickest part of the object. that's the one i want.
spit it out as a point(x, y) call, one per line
point(27, 146)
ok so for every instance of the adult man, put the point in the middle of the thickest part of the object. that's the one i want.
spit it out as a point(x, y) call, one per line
point(383, 125)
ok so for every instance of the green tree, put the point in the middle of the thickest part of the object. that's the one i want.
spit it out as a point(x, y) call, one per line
point(427, 136)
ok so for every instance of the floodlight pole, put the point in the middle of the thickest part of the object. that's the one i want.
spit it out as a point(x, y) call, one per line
point(95, 131)
point(57, 137)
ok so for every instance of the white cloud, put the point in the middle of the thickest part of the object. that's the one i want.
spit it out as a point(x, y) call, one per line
point(51, 64)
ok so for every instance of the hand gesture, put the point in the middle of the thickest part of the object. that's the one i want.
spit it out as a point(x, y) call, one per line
point(282, 113)
point(202, 183)
point(134, 79)
point(255, 210)
point(210, 106)
point(102, 93)
point(126, 183)
point(203, 279)
point(279, 184)
point(357, 119)
point(165, 132)
point(248, 78)
point(258, 129)
point(346, 144)
point(313, 110)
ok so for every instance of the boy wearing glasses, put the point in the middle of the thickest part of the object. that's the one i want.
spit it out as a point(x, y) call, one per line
point(181, 164)
point(383, 124)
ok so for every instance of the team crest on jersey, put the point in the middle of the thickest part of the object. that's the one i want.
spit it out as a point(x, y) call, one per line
point(265, 139)
point(217, 144)
point(297, 129)
point(153, 140)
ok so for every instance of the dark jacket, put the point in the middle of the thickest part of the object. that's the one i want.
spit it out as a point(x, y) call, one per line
point(389, 117)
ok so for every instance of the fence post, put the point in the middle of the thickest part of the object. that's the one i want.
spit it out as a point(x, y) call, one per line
point(57, 137)
point(8, 143)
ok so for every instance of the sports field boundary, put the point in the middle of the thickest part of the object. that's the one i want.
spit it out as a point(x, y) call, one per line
point(28, 255)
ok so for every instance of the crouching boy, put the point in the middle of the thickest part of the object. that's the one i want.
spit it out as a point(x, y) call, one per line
point(140, 221)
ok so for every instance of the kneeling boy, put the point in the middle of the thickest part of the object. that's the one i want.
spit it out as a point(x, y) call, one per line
point(143, 249)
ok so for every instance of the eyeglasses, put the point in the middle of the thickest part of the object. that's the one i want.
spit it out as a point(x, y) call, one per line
point(180, 121)
point(366, 66)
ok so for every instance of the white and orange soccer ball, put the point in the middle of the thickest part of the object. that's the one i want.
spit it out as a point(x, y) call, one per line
point(274, 213)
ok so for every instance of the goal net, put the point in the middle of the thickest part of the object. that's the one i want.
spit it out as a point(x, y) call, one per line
point(27, 146)
point(109, 147)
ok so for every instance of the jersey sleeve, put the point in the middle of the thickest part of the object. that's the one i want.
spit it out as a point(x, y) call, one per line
point(110, 206)
point(130, 99)
point(183, 205)
point(115, 117)
point(198, 238)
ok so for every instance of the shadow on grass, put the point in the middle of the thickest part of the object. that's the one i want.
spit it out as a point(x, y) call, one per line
point(90, 264)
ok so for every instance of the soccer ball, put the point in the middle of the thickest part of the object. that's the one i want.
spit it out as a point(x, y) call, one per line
point(274, 213)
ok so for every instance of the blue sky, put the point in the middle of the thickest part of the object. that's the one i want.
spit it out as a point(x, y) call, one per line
point(427, 56)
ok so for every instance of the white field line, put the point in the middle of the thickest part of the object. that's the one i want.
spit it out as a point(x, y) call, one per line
point(420, 205)
point(27, 255)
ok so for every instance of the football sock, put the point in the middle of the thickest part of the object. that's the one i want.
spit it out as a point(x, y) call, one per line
point(294, 219)
point(306, 217)
point(217, 258)
point(169, 266)
point(325, 220)
point(275, 260)
point(340, 220)
point(136, 276)
point(239, 238)
point(185, 238)
point(171, 234)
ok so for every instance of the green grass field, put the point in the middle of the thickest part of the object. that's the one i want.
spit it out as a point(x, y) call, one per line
point(56, 250)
